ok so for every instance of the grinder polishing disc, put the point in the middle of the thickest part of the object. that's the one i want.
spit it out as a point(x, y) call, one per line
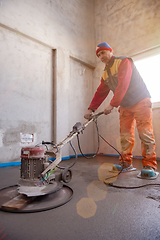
point(32, 191)
point(12, 201)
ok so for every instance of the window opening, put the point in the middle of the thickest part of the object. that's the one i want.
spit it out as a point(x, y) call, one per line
point(149, 70)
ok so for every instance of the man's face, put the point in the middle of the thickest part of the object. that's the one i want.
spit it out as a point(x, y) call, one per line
point(105, 56)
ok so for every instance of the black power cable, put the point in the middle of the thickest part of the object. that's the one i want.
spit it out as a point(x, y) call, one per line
point(122, 166)
point(99, 136)
point(95, 120)
point(74, 160)
point(140, 186)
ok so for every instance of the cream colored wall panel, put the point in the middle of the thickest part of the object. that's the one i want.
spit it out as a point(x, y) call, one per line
point(80, 94)
point(128, 26)
point(25, 93)
point(60, 24)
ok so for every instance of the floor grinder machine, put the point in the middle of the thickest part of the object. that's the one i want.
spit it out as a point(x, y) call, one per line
point(41, 184)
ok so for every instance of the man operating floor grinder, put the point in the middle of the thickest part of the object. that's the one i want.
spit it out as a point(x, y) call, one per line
point(133, 99)
point(41, 187)
point(41, 184)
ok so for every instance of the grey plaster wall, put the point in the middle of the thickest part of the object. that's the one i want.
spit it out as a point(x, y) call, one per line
point(25, 92)
point(130, 27)
point(60, 24)
point(81, 87)
point(45, 93)
point(36, 91)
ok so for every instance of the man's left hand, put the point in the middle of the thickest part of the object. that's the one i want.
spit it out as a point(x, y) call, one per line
point(108, 109)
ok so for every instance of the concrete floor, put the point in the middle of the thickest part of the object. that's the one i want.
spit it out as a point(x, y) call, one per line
point(97, 211)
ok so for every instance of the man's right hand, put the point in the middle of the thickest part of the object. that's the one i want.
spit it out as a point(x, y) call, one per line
point(88, 114)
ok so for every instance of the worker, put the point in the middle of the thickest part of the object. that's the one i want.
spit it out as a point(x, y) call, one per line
point(133, 99)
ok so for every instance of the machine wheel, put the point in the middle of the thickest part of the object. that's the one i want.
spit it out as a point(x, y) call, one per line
point(66, 175)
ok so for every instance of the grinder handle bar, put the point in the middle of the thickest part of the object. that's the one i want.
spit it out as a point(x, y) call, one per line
point(72, 134)
point(95, 115)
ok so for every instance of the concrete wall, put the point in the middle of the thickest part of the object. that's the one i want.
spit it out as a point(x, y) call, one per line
point(47, 64)
point(130, 27)
point(25, 93)
point(41, 43)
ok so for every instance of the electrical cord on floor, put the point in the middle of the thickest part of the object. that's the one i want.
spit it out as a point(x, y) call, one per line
point(140, 186)
point(74, 160)
point(99, 136)
point(53, 144)
point(118, 153)
point(111, 184)
point(116, 186)
point(97, 147)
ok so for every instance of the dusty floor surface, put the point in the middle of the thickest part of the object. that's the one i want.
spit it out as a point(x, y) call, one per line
point(97, 211)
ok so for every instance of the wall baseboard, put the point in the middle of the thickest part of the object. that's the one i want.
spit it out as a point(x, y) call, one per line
point(12, 164)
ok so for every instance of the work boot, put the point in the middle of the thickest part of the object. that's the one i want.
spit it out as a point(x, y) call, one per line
point(123, 165)
point(148, 173)
point(149, 168)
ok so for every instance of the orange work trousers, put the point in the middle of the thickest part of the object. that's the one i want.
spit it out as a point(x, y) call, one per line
point(141, 113)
